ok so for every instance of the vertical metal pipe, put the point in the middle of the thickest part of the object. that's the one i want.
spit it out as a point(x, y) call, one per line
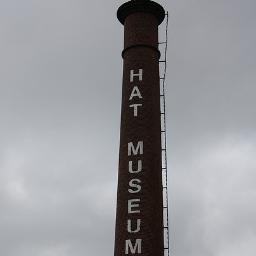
point(139, 215)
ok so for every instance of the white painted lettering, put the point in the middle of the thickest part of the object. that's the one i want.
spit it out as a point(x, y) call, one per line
point(133, 249)
point(133, 203)
point(134, 183)
point(135, 93)
point(137, 150)
point(135, 109)
point(129, 226)
point(132, 75)
point(139, 168)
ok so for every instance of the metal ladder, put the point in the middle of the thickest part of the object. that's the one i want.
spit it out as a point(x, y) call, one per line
point(164, 143)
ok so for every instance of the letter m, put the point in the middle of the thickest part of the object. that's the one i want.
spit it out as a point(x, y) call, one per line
point(135, 151)
point(130, 248)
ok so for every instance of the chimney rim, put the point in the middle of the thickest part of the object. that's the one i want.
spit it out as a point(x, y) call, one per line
point(144, 6)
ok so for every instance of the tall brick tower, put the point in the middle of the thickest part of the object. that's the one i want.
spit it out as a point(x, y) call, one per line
point(139, 216)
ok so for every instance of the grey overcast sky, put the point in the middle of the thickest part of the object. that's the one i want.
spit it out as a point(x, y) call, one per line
point(60, 96)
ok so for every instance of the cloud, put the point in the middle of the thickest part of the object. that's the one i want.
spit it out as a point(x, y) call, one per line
point(60, 97)
point(212, 195)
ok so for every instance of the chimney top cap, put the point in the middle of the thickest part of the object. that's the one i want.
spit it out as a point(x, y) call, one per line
point(145, 6)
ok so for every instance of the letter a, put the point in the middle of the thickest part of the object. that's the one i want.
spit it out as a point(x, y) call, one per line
point(135, 93)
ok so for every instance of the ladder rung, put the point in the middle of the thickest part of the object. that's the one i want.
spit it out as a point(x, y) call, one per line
point(162, 61)
point(162, 42)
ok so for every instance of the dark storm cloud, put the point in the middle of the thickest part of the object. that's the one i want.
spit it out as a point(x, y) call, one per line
point(60, 90)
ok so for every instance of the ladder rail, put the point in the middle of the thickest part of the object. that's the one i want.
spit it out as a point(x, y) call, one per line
point(164, 147)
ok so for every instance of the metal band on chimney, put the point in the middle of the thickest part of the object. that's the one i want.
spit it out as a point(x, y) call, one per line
point(141, 45)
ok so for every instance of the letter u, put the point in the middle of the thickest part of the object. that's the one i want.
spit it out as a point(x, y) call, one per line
point(139, 167)
point(129, 226)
